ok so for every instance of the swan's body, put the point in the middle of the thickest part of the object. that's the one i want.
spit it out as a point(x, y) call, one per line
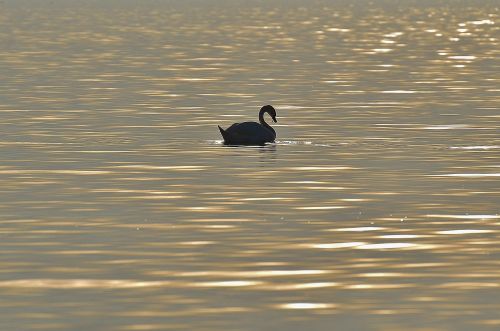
point(251, 133)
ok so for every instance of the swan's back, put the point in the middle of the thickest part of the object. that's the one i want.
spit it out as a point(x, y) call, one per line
point(247, 133)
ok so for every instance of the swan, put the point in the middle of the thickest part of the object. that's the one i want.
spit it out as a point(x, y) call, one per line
point(251, 133)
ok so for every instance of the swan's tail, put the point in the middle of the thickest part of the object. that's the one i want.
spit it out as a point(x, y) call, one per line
point(223, 133)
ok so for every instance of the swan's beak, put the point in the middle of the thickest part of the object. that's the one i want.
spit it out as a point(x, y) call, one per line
point(274, 119)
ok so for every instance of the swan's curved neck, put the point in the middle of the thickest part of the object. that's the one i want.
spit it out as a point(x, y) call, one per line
point(264, 123)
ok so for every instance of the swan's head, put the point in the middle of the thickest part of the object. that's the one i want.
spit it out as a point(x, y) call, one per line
point(271, 111)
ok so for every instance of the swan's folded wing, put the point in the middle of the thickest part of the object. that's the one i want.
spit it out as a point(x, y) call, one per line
point(249, 129)
point(248, 133)
point(232, 127)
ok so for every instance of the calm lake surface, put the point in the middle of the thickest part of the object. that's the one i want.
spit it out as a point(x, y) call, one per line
point(376, 209)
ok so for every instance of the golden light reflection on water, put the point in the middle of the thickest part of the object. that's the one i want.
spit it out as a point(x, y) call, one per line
point(306, 305)
point(376, 208)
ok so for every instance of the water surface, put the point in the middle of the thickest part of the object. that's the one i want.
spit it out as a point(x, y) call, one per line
point(376, 208)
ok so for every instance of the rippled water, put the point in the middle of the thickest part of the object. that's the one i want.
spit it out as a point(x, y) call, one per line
point(376, 209)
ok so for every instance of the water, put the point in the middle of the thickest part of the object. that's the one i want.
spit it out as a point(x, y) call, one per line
point(376, 208)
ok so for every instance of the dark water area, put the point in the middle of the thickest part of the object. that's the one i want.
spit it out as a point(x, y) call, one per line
point(377, 208)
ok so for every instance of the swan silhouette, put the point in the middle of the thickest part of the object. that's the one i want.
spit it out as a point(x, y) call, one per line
point(251, 133)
